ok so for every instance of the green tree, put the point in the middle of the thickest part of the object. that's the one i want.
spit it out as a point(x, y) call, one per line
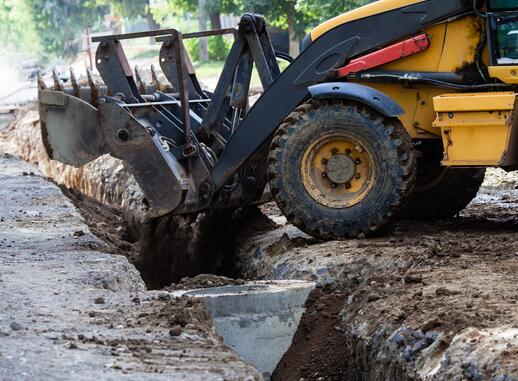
point(132, 9)
point(283, 14)
point(17, 27)
point(297, 16)
point(58, 23)
point(214, 9)
point(211, 9)
point(322, 10)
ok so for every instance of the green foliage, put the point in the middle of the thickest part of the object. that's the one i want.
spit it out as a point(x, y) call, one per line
point(17, 27)
point(321, 10)
point(306, 14)
point(178, 7)
point(54, 27)
point(218, 48)
point(193, 48)
point(129, 9)
point(59, 23)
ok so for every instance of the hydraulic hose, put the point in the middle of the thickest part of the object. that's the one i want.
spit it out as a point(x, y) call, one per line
point(416, 77)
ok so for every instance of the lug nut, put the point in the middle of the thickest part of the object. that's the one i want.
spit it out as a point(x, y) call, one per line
point(123, 135)
point(334, 185)
point(334, 151)
point(358, 161)
point(324, 175)
point(357, 176)
point(324, 161)
point(348, 151)
point(348, 186)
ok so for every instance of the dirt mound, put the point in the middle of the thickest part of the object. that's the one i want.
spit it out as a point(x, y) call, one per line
point(203, 281)
point(433, 301)
point(318, 350)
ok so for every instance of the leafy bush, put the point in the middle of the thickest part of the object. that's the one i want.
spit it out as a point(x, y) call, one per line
point(193, 48)
point(218, 48)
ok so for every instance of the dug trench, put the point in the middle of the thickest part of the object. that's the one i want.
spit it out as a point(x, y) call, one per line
point(422, 302)
point(170, 249)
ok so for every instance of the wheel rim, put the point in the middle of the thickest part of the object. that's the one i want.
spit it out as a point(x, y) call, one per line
point(338, 170)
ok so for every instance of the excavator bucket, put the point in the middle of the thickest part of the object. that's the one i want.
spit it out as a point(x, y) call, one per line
point(81, 123)
point(169, 135)
point(70, 128)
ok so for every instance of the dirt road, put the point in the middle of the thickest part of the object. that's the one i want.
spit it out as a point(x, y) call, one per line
point(71, 311)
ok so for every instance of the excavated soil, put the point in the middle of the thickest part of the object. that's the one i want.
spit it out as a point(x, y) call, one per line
point(107, 223)
point(70, 310)
point(203, 281)
point(170, 252)
point(433, 301)
point(318, 349)
point(420, 302)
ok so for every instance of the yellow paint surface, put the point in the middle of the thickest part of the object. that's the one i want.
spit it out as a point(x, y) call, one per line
point(476, 128)
point(374, 8)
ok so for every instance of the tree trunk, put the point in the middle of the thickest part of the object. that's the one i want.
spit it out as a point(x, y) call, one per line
point(215, 20)
point(202, 24)
point(151, 22)
point(294, 41)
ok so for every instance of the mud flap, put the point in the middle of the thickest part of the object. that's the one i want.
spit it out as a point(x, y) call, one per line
point(70, 129)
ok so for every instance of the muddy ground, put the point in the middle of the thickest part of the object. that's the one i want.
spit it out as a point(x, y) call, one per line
point(424, 301)
point(419, 302)
point(72, 308)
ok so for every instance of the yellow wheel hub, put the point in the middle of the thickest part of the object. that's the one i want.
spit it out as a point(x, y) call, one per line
point(337, 170)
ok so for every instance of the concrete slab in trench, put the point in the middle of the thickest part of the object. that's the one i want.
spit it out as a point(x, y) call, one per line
point(259, 319)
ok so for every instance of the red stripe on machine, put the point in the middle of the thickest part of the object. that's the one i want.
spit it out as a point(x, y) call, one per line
point(383, 56)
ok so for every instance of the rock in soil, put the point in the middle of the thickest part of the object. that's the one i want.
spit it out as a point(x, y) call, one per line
point(203, 281)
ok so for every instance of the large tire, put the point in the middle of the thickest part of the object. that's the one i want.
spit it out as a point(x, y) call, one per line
point(356, 200)
point(440, 192)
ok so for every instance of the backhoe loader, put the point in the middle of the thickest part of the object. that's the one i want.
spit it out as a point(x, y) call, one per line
point(392, 109)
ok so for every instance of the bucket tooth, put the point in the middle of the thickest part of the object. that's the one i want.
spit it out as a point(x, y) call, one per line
point(58, 83)
point(138, 78)
point(41, 83)
point(95, 93)
point(154, 79)
point(75, 85)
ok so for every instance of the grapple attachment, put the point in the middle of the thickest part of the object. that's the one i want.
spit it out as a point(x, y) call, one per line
point(169, 135)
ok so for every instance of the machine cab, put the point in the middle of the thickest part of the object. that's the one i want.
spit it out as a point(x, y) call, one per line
point(503, 39)
point(510, 48)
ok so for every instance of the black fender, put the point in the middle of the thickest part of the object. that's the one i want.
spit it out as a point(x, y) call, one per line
point(320, 58)
point(373, 98)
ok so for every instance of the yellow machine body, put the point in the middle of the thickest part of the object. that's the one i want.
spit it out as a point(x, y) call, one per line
point(477, 129)
point(482, 128)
